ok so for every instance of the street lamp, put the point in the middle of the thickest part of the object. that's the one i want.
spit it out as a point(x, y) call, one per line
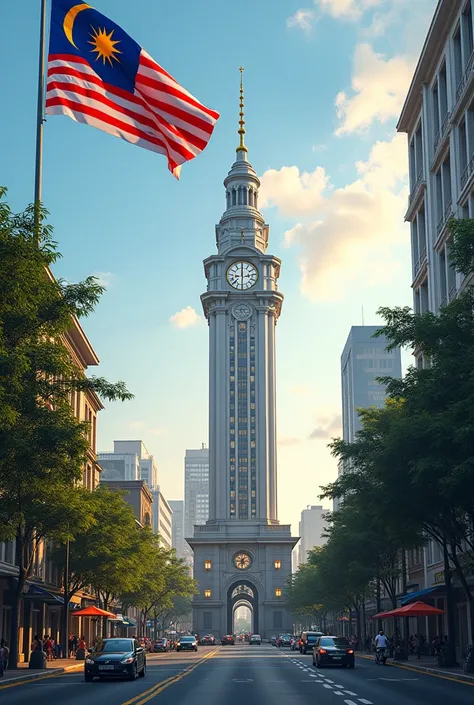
point(207, 564)
point(277, 564)
point(278, 592)
point(207, 593)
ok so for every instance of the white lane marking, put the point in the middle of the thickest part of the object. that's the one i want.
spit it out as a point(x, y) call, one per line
point(365, 702)
point(325, 685)
point(329, 680)
point(338, 692)
point(349, 692)
point(350, 702)
point(339, 686)
point(313, 675)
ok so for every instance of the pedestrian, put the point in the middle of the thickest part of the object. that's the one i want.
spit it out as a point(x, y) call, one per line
point(37, 644)
point(74, 644)
point(418, 645)
point(48, 647)
point(57, 650)
point(6, 653)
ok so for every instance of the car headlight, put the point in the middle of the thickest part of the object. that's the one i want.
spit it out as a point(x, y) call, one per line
point(127, 659)
point(90, 661)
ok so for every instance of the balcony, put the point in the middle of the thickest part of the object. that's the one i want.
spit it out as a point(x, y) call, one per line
point(442, 222)
point(415, 197)
point(452, 293)
point(462, 89)
point(420, 263)
point(440, 141)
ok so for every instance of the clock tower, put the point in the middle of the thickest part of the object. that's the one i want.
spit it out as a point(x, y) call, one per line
point(242, 555)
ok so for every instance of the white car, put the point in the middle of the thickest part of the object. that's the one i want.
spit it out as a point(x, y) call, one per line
point(255, 639)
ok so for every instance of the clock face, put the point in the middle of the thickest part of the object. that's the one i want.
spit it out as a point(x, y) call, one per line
point(242, 275)
point(242, 561)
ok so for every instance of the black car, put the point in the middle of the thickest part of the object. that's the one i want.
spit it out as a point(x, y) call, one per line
point(228, 639)
point(333, 651)
point(123, 658)
point(308, 640)
point(187, 643)
point(162, 645)
point(284, 640)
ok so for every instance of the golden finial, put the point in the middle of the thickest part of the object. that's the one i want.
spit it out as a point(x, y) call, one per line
point(241, 130)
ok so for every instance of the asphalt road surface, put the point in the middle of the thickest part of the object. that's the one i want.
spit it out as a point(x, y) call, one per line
point(246, 675)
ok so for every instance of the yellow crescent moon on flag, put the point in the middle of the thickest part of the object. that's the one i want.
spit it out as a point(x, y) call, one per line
point(69, 19)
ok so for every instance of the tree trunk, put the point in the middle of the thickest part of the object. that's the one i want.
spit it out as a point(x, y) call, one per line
point(379, 605)
point(449, 609)
point(17, 590)
point(467, 591)
point(364, 619)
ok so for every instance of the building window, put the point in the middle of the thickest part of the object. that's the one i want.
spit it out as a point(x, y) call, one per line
point(278, 592)
point(277, 564)
point(207, 564)
point(207, 593)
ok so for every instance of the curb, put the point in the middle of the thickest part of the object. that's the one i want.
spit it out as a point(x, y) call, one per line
point(39, 675)
point(448, 675)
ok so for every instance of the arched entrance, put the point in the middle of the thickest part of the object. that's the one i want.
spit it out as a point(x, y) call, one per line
point(242, 592)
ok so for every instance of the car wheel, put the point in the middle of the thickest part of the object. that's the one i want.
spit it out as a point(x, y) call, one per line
point(142, 673)
point(314, 662)
point(134, 674)
point(88, 678)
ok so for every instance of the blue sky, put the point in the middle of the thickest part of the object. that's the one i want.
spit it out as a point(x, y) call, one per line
point(324, 84)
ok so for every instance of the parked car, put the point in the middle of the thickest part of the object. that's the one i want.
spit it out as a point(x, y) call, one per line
point(161, 645)
point(118, 658)
point(255, 639)
point(333, 651)
point(208, 640)
point(307, 641)
point(187, 643)
point(228, 639)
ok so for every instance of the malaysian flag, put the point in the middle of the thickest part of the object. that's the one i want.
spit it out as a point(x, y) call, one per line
point(97, 74)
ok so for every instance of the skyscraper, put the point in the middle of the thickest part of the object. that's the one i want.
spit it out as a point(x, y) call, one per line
point(311, 530)
point(177, 526)
point(162, 518)
point(196, 489)
point(242, 553)
point(363, 360)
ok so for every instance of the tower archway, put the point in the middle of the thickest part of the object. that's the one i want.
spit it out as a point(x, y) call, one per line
point(242, 592)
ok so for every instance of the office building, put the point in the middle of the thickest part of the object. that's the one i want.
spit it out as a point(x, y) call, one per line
point(311, 531)
point(177, 526)
point(148, 467)
point(196, 489)
point(162, 520)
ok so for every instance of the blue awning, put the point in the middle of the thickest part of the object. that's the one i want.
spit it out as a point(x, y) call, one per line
point(129, 622)
point(421, 593)
point(37, 590)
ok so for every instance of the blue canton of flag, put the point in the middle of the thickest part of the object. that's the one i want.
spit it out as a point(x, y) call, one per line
point(97, 74)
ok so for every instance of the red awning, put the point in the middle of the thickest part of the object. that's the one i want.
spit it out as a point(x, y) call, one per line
point(415, 609)
point(93, 612)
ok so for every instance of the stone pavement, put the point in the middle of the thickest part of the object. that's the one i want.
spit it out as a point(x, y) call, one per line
point(426, 664)
point(23, 673)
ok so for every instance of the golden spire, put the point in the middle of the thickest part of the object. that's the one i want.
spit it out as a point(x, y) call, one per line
point(241, 130)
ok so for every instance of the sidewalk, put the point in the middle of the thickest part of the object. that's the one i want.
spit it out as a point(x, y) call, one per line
point(426, 664)
point(23, 674)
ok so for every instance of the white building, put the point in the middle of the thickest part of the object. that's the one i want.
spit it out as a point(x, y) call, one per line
point(148, 467)
point(242, 555)
point(177, 526)
point(438, 118)
point(311, 529)
point(119, 466)
point(162, 518)
point(196, 489)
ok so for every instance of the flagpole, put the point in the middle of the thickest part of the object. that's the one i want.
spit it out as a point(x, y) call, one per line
point(40, 119)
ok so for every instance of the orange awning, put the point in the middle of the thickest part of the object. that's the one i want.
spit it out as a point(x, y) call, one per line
point(93, 612)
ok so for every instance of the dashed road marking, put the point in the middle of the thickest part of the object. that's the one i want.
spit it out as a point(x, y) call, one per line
point(326, 685)
point(365, 702)
point(338, 692)
point(349, 692)
point(350, 702)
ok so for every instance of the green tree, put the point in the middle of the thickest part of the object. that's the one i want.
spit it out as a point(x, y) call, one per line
point(165, 577)
point(42, 445)
point(109, 555)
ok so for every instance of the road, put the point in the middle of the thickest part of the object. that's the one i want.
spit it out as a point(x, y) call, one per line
point(246, 675)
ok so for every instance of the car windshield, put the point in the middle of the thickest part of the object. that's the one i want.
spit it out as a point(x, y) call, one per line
point(335, 641)
point(114, 646)
point(186, 638)
point(312, 637)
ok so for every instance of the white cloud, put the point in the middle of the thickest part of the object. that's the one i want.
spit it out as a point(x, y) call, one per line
point(289, 441)
point(293, 192)
point(351, 233)
point(303, 19)
point(327, 428)
point(346, 9)
point(105, 278)
point(317, 148)
point(185, 318)
point(379, 87)
point(299, 390)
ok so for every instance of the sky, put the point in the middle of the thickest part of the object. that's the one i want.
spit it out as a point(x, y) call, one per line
point(324, 85)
